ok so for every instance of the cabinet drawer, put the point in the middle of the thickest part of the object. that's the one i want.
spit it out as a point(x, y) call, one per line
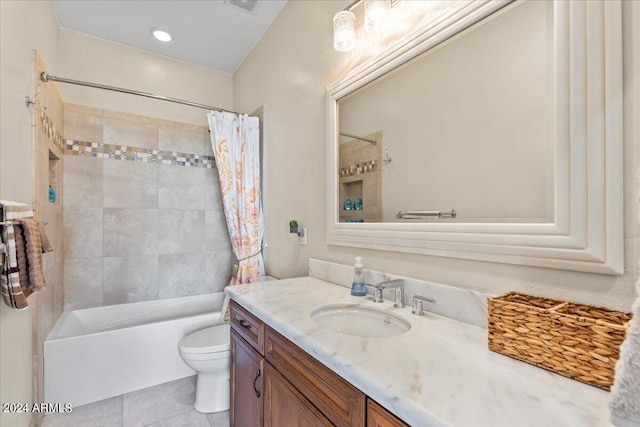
point(247, 326)
point(339, 401)
point(377, 416)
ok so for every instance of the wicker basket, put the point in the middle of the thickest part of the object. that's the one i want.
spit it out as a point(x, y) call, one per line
point(578, 341)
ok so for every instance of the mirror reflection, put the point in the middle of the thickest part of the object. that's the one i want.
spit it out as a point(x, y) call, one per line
point(465, 132)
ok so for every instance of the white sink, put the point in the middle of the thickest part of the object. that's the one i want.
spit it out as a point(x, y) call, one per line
point(358, 320)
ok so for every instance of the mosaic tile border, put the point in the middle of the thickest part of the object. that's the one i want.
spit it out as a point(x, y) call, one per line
point(137, 154)
point(358, 169)
point(51, 131)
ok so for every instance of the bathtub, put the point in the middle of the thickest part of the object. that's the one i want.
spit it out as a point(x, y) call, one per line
point(97, 353)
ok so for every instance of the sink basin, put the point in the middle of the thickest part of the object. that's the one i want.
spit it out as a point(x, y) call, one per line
point(359, 320)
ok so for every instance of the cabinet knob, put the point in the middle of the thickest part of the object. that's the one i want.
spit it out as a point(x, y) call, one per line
point(245, 324)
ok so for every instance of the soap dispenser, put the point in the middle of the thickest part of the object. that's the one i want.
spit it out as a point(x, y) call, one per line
point(357, 287)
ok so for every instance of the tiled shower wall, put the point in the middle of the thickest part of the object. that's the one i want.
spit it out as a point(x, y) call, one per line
point(143, 217)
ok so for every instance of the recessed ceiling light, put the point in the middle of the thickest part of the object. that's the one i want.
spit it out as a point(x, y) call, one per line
point(163, 36)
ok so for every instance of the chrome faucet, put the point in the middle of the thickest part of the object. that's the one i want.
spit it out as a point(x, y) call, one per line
point(418, 302)
point(398, 287)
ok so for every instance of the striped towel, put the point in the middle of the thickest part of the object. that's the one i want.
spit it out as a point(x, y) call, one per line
point(12, 289)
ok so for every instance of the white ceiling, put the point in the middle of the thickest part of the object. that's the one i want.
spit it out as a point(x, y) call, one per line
point(205, 32)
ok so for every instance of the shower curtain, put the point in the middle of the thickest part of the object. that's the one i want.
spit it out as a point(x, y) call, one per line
point(236, 147)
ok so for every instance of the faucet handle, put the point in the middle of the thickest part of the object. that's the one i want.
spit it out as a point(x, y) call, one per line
point(418, 302)
point(377, 293)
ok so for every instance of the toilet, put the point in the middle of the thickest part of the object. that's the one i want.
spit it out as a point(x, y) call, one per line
point(208, 352)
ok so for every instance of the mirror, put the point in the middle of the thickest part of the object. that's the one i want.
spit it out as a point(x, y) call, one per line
point(493, 132)
point(467, 125)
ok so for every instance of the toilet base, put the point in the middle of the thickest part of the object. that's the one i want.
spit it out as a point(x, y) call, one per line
point(213, 393)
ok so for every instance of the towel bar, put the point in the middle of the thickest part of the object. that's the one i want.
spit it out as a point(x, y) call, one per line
point(18, 223)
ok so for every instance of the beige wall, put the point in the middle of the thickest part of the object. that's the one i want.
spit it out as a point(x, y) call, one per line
point(497, 81)
point(95, 60)
point(24, 26)
point(289, 70)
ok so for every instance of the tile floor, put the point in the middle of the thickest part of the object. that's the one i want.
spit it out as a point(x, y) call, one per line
point(165, 405)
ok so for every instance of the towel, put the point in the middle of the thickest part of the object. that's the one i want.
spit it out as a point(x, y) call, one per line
point(34, 250)
point(12, 291)
point(624, 403)
point(21, 256)
point(24, 240)
point(46, 244)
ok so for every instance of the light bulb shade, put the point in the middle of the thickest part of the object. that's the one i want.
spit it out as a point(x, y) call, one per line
point(344, 31)
point(376, 14)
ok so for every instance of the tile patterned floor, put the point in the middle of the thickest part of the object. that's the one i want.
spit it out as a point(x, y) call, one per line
point(165, 405)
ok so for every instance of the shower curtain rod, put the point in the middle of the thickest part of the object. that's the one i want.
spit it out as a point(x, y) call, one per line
point(349, 135)
point(48, 77)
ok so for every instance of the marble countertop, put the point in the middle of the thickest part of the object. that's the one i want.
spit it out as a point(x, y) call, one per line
point(439, 373)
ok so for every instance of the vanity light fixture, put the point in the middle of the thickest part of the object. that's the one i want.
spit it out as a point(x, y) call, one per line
point(161, 35)
point(344, 31)
point(376, 14)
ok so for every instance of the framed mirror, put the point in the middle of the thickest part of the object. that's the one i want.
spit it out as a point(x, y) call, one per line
point(493, 133)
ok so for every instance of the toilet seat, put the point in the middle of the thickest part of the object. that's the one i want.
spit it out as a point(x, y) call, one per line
point(215, 339)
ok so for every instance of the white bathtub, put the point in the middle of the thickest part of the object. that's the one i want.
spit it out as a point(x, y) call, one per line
point(96, 353)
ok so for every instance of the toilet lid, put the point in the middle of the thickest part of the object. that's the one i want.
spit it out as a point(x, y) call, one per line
point(210, 340)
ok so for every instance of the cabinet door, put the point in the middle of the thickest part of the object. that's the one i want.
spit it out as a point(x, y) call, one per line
point(377, 416)
point(286, 406)
point(338, 400)
point(247, 384)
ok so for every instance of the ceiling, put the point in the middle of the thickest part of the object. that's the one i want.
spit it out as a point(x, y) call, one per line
point(211, 33)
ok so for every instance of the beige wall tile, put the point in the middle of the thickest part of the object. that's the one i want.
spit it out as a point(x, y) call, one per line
point(170, 123)
point(180, 231)
point(82, 109)
point(130, 232)
point(130, 184)
point(83, 127)
point(82, 181)
point(157, 122)
point(130, 279)
point(181, 140)
point(130, 133)
point(82, 283)
point(122, 116)
point(213, 199)
point(181, 275)
point(218, 269)
point(82, 232)
point(216, 232)
point(208, 148)
point(181, 187)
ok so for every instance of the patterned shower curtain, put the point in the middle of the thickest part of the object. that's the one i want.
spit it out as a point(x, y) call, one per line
point(236, 147)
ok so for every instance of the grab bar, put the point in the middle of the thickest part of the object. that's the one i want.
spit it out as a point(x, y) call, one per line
point(426, 214)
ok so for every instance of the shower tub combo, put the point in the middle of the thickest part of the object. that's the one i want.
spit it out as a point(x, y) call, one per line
point(97, 353)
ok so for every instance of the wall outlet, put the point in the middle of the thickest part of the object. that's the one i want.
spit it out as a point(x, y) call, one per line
point(303, 239)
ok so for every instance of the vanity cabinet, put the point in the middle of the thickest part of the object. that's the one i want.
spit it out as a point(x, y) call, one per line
point(247, 384)
point(284, 405)
point(377, 416)
point(339, 401)
point(275, 383)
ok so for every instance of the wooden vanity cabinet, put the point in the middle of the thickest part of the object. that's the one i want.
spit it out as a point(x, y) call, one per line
point(377, 416)
point(247, 368)
point(247, 384)
point(284, 405)
point(275, 383)
point(338, 400)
